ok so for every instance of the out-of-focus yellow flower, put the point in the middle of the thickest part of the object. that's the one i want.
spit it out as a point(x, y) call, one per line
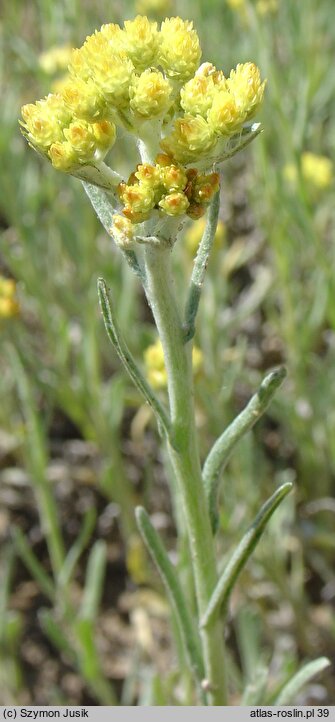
point(236, 4)
point(155, 8)
point(316, 170)
point(55, 59)
point(195, 232)
point(266, 7)
point(155, 367)
point(9, 305)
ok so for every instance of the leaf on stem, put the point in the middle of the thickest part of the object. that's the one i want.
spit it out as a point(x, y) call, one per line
point(224, 445)
point(199, 268)
point(127, 359)
point(289, 692)
point(241, 555)
point(168, 574)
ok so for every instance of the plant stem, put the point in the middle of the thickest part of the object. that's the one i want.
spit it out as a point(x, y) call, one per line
point(184, 455)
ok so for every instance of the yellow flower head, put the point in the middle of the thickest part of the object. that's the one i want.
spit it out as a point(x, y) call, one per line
point(84, 100)
point(141, 40)
point(246, 87)
point(224, 117)
point(173, 177)
point(112, 74)
point(196, 96)
point(155, 367)
point(150, 94)
point(179, 51)
point(205, 187)
point(138, 200)
point(191, 137)
point(63, 156)
point(44, 121)
point(80, 135)
point(105, 134)
point(174, 204)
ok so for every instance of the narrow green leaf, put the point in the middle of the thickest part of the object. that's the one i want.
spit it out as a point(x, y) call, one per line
point(220, 453)
point(5, 586)
point(126, 357)
point(56, 635)
point(199, 268)
point(289, 692)
point(168, 575)
point(32, 563)
point(95, 576)
point(77, 548)
point(37, 459)
point(241, 555)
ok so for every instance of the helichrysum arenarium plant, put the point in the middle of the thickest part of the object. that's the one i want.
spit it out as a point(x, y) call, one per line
point(186, 117)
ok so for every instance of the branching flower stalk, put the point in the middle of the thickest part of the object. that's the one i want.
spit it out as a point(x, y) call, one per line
point(187, 118)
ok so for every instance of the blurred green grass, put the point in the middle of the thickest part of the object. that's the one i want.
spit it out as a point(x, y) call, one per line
point(270, 297)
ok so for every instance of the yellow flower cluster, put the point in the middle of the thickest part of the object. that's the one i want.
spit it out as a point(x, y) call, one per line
point(316, 170)
point(155, 367)
point(134, 76)
point(215, 109)
point(9, 305)
point(195, 232)
point(168, 187)
point(68, 141)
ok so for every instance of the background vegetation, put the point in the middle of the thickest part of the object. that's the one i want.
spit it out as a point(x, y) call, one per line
point(82, 615)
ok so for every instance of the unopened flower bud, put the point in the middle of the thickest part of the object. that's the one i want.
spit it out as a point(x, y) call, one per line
point(174, 204)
